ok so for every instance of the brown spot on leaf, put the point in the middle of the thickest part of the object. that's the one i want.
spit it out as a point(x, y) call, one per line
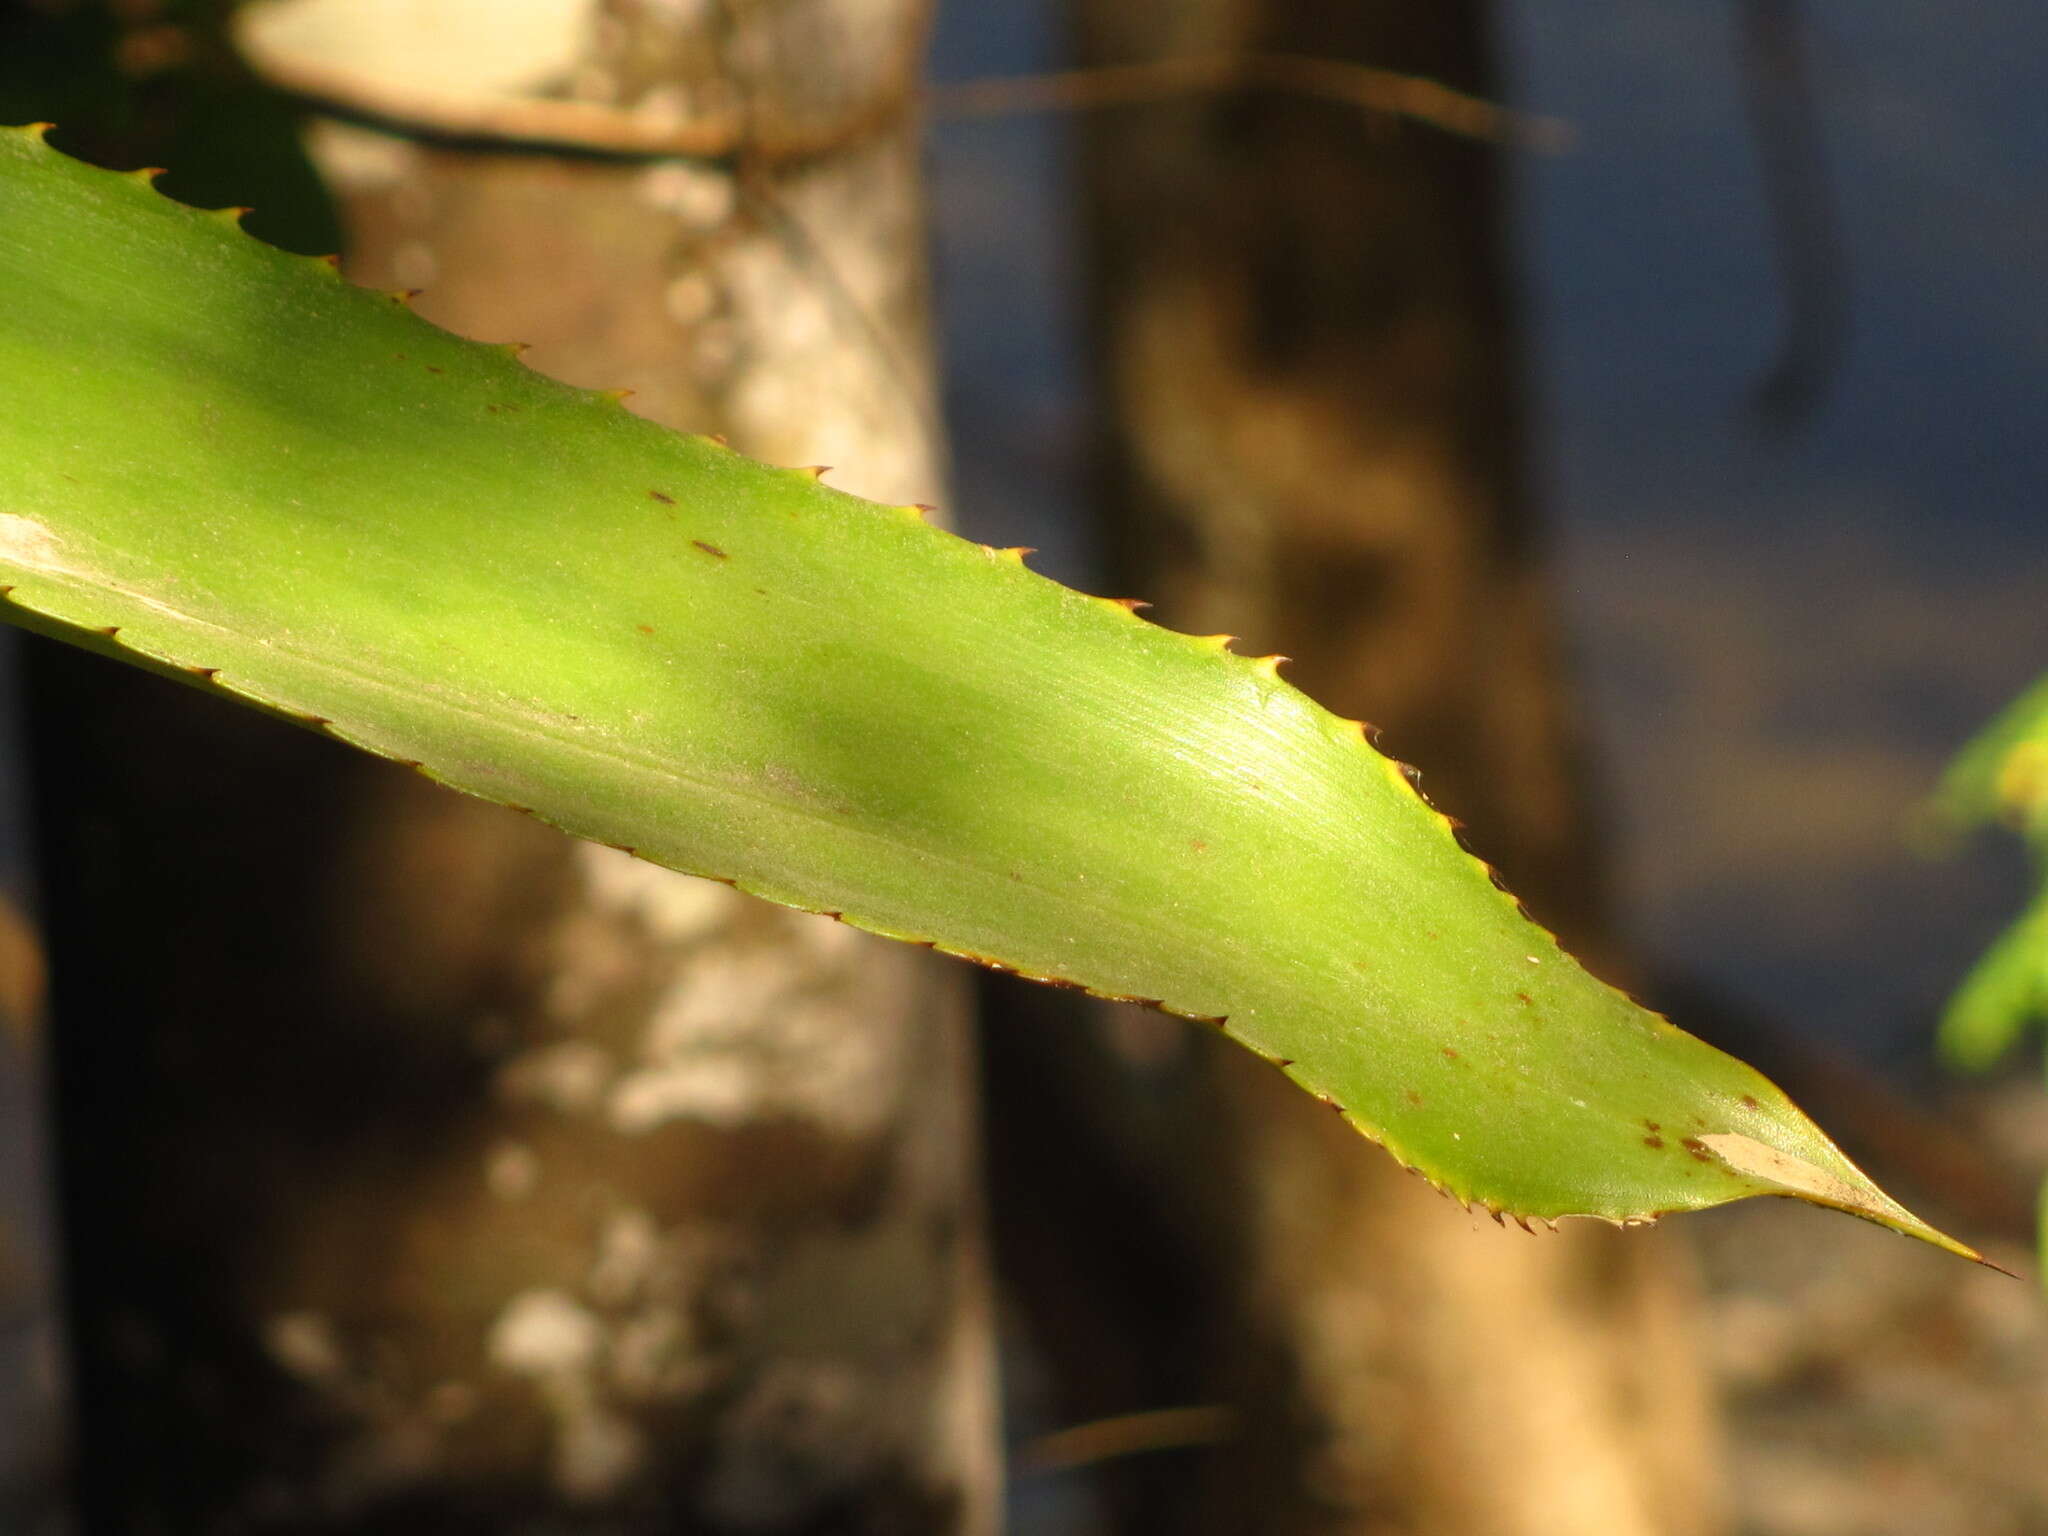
point(1450, 1054)
point(1749, 1101)
point(665, 500)
point(432, 369)
point(1698, 1149)
point(710, 549)
point(1198, 845)
point(1653, 1142)
point(1652, 1127)
point(1525, 999)
point(1413, 1098)
point(645, 629)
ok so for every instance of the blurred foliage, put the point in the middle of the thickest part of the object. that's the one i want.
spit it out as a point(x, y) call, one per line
point(2002, 778)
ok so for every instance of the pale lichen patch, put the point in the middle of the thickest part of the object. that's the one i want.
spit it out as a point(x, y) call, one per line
point(511, 1170)
point(674, 908)
point(304, 1343)
point(568, 1076)
point(560, 1345)
point(543, 1333)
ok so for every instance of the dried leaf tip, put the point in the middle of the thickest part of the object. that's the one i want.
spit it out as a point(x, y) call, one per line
point(615, 396)
point(815, 471)
point(1214, 642)
point(1269, 666)
point(1128, 604)
point(146, 175)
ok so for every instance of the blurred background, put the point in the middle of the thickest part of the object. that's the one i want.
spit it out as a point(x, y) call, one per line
point(1650, 458)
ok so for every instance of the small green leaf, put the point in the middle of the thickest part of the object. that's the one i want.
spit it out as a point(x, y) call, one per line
point(221, 461)
point(2005, 991)
point(2002, 774)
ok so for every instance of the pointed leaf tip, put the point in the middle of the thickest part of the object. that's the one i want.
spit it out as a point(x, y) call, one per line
point(1842, 1188)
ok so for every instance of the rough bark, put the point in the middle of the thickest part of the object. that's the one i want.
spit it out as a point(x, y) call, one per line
point(427, 1170)
point(1310, 377)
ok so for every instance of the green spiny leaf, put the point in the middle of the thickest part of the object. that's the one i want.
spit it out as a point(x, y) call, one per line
point(221, 461)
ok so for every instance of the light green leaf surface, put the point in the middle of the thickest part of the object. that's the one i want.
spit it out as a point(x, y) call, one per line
point(223, 461)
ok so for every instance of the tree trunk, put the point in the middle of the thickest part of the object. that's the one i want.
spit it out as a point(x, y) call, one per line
point(1310, 375)
point(429, 1171)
